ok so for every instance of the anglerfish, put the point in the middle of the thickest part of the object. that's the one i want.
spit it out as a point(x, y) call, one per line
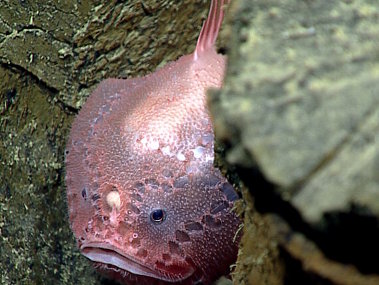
point(146, 204)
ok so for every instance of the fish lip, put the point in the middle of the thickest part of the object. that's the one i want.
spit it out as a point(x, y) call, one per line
point(111, 255)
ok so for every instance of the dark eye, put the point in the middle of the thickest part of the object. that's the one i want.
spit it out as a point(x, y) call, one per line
point(158, 216)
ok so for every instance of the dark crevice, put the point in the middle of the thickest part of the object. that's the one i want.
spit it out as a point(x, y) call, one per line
point(53, 91)
point(19, 69)
point(295, 274)
point(349, 238)
point(67, 108)
point(146, 10)
point(352, 237)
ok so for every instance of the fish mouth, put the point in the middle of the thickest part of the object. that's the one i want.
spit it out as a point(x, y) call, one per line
point(108, 254)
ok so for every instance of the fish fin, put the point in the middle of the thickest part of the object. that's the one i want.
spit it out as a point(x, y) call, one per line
point(211, 27)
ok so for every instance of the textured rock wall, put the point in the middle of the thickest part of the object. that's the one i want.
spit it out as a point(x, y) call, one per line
point(300, 116)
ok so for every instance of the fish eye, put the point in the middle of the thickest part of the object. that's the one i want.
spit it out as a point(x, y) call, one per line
point(157, 216)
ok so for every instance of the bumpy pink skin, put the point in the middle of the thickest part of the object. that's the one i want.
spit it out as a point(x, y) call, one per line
point(150, 139)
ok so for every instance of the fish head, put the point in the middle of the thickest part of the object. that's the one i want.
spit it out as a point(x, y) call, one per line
point(159, 230)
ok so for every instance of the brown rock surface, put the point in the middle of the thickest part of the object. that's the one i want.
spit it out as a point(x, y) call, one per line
point(302, 101)
point(300, 116)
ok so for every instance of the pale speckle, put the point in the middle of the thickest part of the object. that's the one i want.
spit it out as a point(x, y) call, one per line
point(166, 150)
point(206, 139)
point(153, 145)
point(113, 200)
point(198, 151)
point(149, 144)
point(144, 141)
point(180, 156)
point(209, 158)
point(192, 168)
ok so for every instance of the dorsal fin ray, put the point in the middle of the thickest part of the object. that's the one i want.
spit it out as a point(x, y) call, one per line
point(211, 27)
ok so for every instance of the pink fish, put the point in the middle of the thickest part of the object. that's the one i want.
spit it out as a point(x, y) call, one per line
point(146, 204)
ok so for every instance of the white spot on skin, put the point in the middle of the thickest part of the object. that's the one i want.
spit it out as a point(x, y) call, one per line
point(180, 156)
point(166, 150)
point(192, 168)
point(153, 144)
point(113, 200)
point(149, 144)
point(206, 139)
point(198, 151)
point(143, 141)
point(209, 158)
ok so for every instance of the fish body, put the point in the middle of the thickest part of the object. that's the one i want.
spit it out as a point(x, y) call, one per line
point(145, 202)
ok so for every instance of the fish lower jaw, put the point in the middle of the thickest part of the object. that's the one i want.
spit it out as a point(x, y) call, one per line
point(109, 255)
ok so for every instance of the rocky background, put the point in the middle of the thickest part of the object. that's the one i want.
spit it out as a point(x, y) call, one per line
point(297, 122)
